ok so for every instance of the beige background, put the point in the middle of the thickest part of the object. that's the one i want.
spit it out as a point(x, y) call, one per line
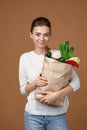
point(69, 22)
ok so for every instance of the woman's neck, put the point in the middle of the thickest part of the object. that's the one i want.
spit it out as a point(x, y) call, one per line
point(41, 51)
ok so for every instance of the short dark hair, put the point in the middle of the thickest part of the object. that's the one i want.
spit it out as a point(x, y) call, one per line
point(40, 21)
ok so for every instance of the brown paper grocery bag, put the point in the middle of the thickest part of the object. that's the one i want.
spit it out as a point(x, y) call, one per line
point(58, 75)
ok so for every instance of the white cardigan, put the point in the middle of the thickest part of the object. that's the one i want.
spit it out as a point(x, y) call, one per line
point(30, 66)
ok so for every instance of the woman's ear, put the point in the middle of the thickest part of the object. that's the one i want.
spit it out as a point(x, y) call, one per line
point(31, 35)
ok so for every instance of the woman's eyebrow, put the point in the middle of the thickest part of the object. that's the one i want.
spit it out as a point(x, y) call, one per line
point(38, 32)
point(44, 33)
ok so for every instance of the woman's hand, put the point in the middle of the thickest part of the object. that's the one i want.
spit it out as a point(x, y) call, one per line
point(41, 81)
point(50, 97)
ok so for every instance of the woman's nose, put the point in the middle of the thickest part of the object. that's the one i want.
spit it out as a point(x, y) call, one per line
point(42, 37)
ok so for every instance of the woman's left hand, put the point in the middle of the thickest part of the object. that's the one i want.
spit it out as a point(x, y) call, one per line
point(50, 97)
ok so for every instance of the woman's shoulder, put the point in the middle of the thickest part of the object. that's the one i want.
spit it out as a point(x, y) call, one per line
point(55, 53)
point(25, 55)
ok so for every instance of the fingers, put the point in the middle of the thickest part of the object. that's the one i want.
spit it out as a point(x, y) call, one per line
point(42, 78)
point(41, 81)
point(44, 100)
point(45, 92)
point(48, 98)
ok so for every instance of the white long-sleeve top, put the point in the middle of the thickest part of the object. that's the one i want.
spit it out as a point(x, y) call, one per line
point(30, 67)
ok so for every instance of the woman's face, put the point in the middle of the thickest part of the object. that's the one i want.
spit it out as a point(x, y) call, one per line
point(40, 36)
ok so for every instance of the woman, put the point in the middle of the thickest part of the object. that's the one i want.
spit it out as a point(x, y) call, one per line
point(41, 115)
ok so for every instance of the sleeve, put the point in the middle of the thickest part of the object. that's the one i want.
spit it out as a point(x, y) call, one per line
point(74, 82)
point(23, 80)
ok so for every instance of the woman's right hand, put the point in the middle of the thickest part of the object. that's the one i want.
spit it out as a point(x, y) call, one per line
point(41, 81)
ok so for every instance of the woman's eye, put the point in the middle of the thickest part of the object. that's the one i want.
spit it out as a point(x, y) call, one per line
point(47, 34)
point(37, 34)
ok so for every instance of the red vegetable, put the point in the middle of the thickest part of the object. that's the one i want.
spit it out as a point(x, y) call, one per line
point(72, 62)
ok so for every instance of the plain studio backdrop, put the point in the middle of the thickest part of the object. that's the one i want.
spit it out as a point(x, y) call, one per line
point(69, 22)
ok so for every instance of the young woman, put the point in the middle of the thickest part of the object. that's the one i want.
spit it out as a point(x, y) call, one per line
point(41, 115)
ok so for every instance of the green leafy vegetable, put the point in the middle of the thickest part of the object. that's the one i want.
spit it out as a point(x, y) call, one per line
point(70, 53)
point(61, 59)
point(65, 51)
point(48, 54)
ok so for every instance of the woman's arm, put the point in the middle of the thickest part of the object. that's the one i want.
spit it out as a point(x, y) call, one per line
point(40, 82)
point(25, 86)
point(73, 85)
point(51, 97)
point(61, 94)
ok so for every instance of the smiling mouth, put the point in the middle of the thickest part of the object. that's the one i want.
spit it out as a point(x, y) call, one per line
point(42, 43)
